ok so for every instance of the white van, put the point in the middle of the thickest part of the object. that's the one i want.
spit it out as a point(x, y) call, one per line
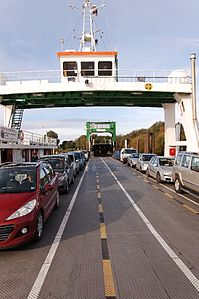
point(126, 152)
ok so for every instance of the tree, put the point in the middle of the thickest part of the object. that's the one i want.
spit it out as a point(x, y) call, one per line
point(81, 142)
point(52, 134)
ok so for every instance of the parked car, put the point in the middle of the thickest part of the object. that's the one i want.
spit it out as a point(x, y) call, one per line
point(116, 155)
point(64, 169)
point(74, 162)
point(28, 194)
point(125, 152)
point(86, 154)
point(79, 155)
point(132, 159)
point(161, 168)
point(143, 161)
point(186, 172)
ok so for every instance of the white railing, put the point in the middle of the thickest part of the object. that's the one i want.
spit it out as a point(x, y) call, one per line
point(123, 75)
point(29, 138)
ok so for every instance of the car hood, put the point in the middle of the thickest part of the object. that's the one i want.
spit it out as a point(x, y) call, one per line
point(167, 168)
point(12, 202)
point(145, 162)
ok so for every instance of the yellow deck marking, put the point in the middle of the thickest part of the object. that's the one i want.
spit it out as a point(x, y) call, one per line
point(103, 231)
point(155, 187)
point(108, 279)
point(190, 209)
point(167, 194)
point(100, 208)
point(99, 195)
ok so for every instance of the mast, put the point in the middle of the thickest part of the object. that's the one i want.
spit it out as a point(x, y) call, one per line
point(88, 42)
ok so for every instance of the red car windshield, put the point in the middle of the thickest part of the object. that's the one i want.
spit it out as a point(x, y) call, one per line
point(17, 179)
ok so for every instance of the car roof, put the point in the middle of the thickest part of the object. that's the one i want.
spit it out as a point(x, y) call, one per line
point(165, 157)
point(188, 153)
point(52, 156)
point(23, 164)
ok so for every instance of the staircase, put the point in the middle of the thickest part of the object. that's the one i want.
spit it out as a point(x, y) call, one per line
point(16, 118)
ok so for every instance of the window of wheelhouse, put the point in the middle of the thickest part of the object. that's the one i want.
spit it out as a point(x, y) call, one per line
point(70, 69)
point(87, 68)
point(105, 68)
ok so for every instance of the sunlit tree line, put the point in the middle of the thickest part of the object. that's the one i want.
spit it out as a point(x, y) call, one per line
point(138, 139)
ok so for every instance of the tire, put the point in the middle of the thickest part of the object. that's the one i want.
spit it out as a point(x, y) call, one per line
point(178, 185)
point(39, 227)
point(158, 178)
point(57, 201)
point(66, 187)
point(73, 180)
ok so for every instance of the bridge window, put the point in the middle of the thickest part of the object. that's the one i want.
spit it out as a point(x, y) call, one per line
point(105, 68)
point(70, 69)
point(87, 68)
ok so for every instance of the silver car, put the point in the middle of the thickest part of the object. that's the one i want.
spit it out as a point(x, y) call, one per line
point(161, 168)
point(143, 161)
point(74, 162)
point(132, 159)
point(186, 172)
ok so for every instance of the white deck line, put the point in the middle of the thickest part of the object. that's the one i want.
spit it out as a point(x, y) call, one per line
point(185, 270)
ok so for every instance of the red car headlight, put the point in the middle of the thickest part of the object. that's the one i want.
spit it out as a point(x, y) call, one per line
point(24, 210)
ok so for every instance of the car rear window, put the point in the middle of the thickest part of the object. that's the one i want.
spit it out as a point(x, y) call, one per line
point(56, 163)
point(129, 151)
point(147, 157)
point(166, 162)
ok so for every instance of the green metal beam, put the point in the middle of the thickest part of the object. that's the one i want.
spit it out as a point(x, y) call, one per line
point(88, 98)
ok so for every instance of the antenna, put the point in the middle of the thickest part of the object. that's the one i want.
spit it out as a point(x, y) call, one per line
point(62, 43)
point(88, 41)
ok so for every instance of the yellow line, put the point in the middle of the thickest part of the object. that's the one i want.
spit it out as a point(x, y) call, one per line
point(190, 209)
point(100, 208)
point(103, 231)
point(155, 187)
point(108, 279)
point(167, 194)
point(99, 195)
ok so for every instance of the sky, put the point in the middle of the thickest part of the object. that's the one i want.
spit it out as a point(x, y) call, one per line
point(147, 34)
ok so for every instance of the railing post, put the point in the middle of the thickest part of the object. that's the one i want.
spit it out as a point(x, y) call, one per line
point(193, 76)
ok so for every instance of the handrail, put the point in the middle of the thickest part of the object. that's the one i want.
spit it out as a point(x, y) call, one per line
point(128, 75)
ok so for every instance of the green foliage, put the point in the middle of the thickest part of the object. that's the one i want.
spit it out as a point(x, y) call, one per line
point(52, 134)
point(136, 139)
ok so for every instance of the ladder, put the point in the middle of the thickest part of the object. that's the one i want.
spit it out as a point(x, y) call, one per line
point(16, 118)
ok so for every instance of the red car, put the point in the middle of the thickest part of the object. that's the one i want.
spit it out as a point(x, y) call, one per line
point(28, 194)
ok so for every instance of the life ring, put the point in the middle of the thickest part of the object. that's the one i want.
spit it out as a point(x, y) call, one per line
point(148, 86)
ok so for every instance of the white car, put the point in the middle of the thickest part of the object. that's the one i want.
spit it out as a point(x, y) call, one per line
point(161, 168)
point(126, 152)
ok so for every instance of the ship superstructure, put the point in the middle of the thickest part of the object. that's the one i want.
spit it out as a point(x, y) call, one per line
point(79, 66)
